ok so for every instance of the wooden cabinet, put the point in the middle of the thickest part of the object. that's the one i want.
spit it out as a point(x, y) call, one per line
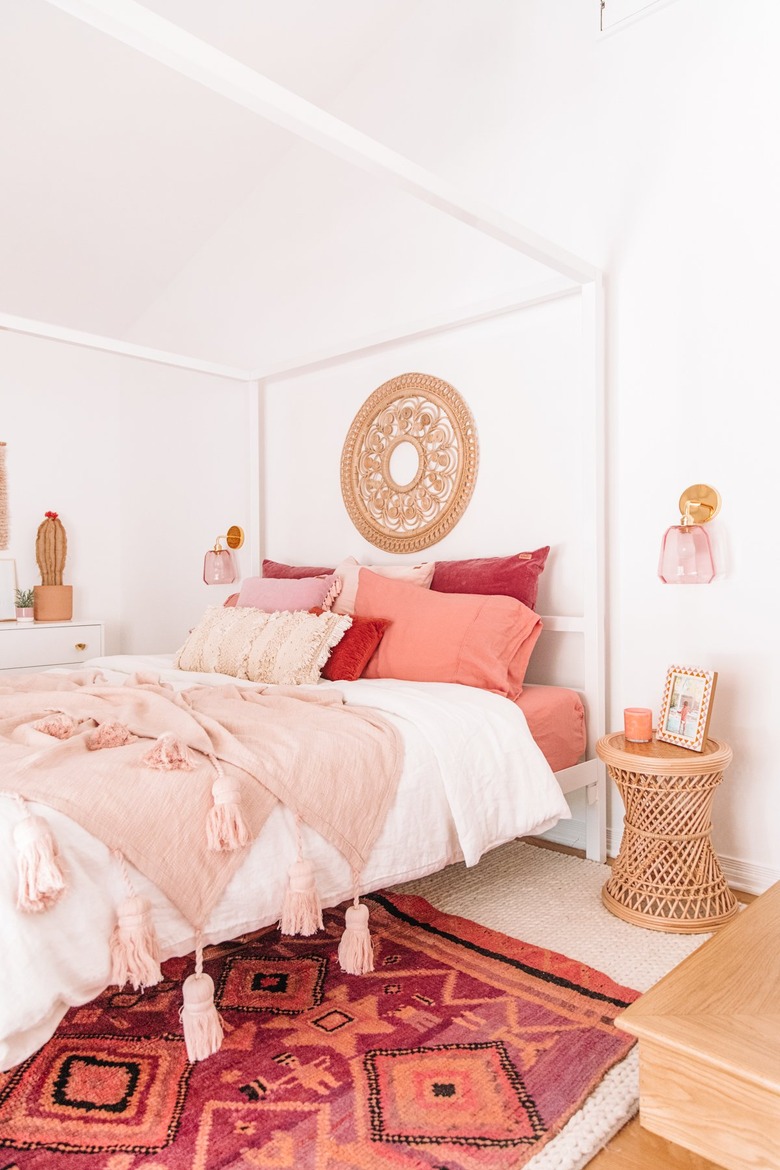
point(36, 645)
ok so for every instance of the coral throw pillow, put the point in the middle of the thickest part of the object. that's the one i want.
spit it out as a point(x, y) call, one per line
point(480, 641)
point(285, 647)
point(516, 576)
point(350, 657)
point(293, 572)
point(272, 595)
point(420, 575)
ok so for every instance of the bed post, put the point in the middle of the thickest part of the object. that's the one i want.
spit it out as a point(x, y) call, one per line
point(595, 574)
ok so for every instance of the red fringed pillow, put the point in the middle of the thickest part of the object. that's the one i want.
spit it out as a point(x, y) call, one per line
point(292, 572)
point(349, 658)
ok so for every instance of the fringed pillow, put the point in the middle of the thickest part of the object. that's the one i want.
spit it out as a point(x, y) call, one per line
point(286, 647)
point(273, 595)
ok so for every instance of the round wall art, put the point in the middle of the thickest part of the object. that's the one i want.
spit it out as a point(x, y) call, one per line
point(409, 463)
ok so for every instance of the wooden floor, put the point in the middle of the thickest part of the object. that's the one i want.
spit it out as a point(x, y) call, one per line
point(635, 1148)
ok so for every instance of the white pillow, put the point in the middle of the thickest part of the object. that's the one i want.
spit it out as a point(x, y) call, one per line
point(287, 647)
point(349, 569)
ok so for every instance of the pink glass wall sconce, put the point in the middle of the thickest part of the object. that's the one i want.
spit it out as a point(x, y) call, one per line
point(219, 564)
point(686, 552)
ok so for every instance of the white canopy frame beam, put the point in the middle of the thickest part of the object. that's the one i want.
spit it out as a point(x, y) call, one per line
point(174, 47)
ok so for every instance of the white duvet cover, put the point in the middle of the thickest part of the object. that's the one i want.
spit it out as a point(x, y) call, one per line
point(473, 778)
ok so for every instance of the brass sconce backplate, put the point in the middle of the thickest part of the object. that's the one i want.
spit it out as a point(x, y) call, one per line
point(235, 536)
point(417, 417)
point(704, 502)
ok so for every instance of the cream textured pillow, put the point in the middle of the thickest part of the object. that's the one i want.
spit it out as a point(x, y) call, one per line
point(287, 647)
point(349, 569)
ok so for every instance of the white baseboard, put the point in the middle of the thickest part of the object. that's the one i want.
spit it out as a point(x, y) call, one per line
point(741, 875)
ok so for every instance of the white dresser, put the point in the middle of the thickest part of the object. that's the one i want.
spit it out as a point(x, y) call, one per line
point(36, 645)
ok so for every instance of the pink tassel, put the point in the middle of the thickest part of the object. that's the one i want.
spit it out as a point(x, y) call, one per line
point(58, 724)
point(301, 911)
point(169, 754)
point(135, 950)
point(200, 1019)
point(40, 878)
point(110, 734)
point(356, 951)
point(225, 827)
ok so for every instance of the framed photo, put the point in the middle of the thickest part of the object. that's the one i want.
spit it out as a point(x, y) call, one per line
point(686, 707)
point(7, 590)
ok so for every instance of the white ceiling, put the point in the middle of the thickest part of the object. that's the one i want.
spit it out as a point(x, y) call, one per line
point(139, 205)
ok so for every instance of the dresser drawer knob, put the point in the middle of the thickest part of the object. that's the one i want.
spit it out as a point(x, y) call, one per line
point(81, 645)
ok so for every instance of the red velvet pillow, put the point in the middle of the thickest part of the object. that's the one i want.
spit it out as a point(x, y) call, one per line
point(292, 572)
point(232, 600)
point(349, 658)
point(515, 576)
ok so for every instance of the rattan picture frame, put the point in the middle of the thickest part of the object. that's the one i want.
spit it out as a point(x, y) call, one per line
point(686, 707)
point(428, 416)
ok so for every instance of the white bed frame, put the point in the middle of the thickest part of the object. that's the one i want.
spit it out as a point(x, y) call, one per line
point(177, 49)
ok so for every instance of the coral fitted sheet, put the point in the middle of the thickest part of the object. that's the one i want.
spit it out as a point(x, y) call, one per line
point(556, 720)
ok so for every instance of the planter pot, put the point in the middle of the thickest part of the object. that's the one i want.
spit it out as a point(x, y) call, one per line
point(24, 615)
point(53, 603)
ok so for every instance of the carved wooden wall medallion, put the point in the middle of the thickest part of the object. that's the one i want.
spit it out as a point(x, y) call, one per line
point(409, 463)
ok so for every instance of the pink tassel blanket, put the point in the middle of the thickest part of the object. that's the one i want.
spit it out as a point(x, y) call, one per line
point(140, 767)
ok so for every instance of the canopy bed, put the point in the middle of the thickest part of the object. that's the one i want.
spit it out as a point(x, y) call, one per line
point(472, 773)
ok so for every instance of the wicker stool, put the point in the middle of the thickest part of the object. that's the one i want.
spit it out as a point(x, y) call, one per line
point(667, 876)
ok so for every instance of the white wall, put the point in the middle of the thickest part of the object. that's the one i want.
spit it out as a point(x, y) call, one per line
point(653, 153)
point(60, 419)
point(146, 465)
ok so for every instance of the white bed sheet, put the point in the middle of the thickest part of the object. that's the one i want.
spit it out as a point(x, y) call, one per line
point(472, 779)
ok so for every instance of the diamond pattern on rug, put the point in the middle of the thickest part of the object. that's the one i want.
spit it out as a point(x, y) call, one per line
point(462, 1048)
point(256, 981)
point(466, 1093)
point(97, 1093)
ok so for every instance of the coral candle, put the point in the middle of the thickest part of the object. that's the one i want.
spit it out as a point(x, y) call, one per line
point(638, 724)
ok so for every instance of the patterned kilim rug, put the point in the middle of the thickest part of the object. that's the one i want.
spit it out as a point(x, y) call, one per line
point(464, 1050)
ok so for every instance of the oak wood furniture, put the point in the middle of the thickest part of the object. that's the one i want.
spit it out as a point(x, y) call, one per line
point(667, 875)
point(709, 1044)
point(36, 645)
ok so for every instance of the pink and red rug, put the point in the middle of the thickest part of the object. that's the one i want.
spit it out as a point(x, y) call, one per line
point(465, 1050)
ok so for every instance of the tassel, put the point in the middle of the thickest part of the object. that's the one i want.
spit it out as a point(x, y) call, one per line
point(301, 911)
point(135, 950)
point(356, 951)
point(200, 1019)
point(225, 827)
point(169, 754)
point(110, 734)
point(58, 724)
point(40, 878)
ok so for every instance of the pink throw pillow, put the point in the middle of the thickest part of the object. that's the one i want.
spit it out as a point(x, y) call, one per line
point(515, 576)
point(419, 575)
point(291, 594)
point(478, 640)
point(292, 572)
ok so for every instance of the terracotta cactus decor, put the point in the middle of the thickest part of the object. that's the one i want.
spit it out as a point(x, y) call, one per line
point(53, 600)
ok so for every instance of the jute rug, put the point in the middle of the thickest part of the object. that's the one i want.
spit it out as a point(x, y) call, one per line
point(466, 1049)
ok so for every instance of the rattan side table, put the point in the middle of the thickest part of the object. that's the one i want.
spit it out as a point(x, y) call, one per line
point(666, 875)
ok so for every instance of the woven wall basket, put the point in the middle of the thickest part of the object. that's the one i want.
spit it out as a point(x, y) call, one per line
point(430, 422)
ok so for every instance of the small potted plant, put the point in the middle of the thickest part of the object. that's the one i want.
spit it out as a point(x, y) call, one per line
point(24, 605)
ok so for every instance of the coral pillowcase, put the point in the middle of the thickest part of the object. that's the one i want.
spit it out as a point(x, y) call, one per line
point(516, 576)
point(293, 572)
point(350, 657)
point(480, 641)
point(348, 570)
point(272, 595)
point(289, 648)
